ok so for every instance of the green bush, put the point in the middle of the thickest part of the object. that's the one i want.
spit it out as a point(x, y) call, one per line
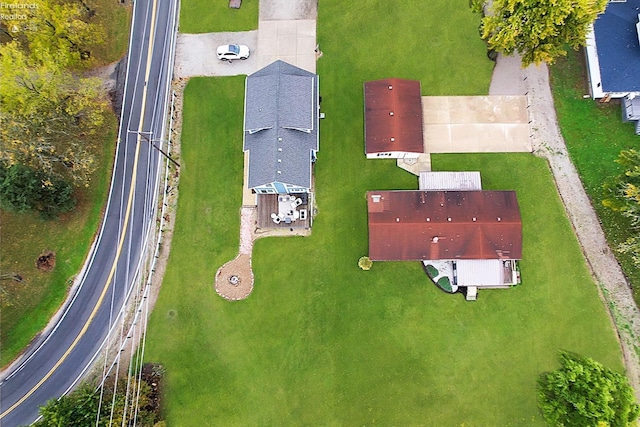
point(89, 406)
point(445, 284)
point(22, 189)
point(365, 263)
point(432, 271)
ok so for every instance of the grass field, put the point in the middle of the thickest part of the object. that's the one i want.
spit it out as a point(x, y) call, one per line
point(319, 340)
point(27, 306)
point(203, 16)
point(115, 18)
point(595, 135)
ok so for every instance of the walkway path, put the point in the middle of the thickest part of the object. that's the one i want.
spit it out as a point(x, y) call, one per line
point(510, 79)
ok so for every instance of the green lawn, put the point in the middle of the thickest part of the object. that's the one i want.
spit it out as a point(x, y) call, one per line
point(595, 135)
point(27, 306)
point(205, 16)
point(115, 18)
point(320, 341)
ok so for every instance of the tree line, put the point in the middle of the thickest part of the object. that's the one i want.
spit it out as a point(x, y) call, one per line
point(49, 112)
point(126, 401)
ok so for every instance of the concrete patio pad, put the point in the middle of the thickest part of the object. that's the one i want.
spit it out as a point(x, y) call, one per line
point(293, 41)
point(475, 124)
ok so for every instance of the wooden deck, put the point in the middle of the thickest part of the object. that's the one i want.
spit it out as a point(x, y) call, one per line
point(268, 204)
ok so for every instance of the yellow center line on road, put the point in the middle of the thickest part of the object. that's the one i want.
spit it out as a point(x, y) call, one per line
point(123, 233)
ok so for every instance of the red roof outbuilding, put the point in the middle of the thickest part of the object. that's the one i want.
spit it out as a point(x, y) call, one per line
point(393, 116)
point(444, 225)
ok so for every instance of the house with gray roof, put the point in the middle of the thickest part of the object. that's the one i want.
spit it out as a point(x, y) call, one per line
point(281, 119)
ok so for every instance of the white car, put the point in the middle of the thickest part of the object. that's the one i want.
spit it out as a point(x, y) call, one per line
point(232, 51)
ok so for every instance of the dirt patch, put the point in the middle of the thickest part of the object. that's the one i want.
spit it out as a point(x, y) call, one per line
point(46, 261)
point(278, 10)
point(234, 280)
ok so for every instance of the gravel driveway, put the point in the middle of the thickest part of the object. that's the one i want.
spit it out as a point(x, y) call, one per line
point(196, 54)
point(510, 79)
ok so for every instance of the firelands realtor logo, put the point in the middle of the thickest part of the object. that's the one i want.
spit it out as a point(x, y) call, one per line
point(16, 11)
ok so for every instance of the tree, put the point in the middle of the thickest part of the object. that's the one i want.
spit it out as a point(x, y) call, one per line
point(79, 408)
point(624, 189)
point(22, 189)
point(60, 29)
point(47, 115)
point(623, 195)
point(584, 393)
point(539, 30)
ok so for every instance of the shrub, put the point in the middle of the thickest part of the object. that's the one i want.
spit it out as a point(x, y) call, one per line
point(432, 271)
point(445, 284)
point(22, 189)
point(365, 263)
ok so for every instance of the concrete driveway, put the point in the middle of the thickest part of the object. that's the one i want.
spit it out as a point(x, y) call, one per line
point(293, 41)
point(287, 31)
point(475, 124)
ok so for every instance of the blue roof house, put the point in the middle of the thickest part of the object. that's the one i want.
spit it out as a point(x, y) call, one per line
point(613, 51)
point(281, 120)
point(613, 57)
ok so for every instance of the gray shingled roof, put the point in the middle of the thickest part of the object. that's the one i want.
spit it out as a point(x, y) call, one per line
point(281, 124)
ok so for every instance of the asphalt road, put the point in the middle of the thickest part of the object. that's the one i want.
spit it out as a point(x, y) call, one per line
point(57, 359)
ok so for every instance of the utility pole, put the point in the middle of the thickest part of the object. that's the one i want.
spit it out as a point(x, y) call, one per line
point(158, 148)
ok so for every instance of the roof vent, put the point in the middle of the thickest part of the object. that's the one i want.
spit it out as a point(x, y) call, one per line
point(391, 113)
point(428, 219)
point(397, 219)
point(474, 219)
point(375, 198)
point(390, 87)
point(279, 172)
point(279, 160)
point(280, 139)
point(435, 239)
point(499, 219)
point(279, 149)
point(449, 219)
